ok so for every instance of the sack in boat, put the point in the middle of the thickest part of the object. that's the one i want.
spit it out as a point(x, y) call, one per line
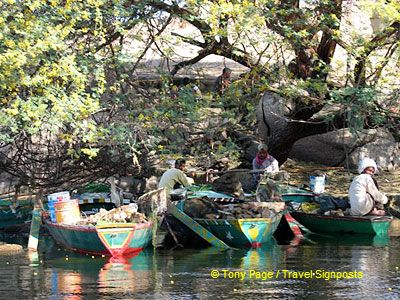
point(199, 208)
point(310, 207)
point(328, 203)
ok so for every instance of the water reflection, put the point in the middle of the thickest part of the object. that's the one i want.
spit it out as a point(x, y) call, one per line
point(71, 274)
point(54, 273)
point(268, 257)
point(349, 239)
point(127, 275)
point(66, 283)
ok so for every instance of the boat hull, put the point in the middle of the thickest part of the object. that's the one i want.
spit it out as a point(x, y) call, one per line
point(243, 232)
point(372, 225)
point(83, 239)
point(22, 213)
point(125, 239)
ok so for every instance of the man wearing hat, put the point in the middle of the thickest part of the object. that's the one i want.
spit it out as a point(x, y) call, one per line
point(364, 194)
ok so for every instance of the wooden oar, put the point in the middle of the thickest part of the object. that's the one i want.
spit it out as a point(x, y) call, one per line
point(36, 222)
point(311, 169)
point(196, 227)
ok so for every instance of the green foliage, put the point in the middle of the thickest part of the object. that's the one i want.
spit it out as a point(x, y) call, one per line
point(66, 71)
point(362, 107)
point(94, 187)
point(45, 84)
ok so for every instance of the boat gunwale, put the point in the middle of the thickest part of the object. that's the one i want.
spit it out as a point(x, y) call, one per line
point(93, 227)
point(70, 226)
point(300, 194)
point(371, 218)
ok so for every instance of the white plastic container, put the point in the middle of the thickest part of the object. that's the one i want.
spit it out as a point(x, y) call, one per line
point(317, 184)
point(55, 198)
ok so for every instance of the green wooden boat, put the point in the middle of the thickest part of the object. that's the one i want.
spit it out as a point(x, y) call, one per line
point(237, 233)
point(294, 194)
point(111, 239)
point(82, 239)
point(298, 197)
point(289, 193)
point(21, 214)
point(372, 225)
point(243, 232)
point(125, 239)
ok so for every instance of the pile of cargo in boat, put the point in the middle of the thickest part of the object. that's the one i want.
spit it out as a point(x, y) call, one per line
point(206, 208)
point(122, 214)
point(234, 210)
point(241, 224)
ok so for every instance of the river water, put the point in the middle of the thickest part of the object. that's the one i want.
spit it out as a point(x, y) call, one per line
point(308, 268)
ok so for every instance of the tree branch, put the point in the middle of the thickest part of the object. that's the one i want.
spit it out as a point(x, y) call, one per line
point(202, 53)
point(152, 39)
point(190, 40)
point(182, 13)
point(378, 41)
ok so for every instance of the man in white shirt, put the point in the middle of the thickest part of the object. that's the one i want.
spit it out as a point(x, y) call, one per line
point(174, 178)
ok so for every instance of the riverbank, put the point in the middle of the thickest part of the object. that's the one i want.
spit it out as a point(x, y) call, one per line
point(338, 180)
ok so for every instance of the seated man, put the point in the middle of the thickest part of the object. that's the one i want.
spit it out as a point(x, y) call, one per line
point(263, 162)
point(175, 178)
point(364, 194)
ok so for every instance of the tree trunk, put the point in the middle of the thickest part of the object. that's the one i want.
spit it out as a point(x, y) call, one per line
point(280, 131)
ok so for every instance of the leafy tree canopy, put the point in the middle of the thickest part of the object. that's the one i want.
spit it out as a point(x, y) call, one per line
point(67, 85)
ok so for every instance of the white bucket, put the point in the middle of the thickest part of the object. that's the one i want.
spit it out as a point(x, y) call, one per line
point(317, 184)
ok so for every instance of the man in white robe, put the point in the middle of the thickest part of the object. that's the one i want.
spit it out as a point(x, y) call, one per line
point(363, 192)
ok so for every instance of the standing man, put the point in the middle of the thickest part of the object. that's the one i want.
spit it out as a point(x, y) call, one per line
point(175, 178)
point(223, 81)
